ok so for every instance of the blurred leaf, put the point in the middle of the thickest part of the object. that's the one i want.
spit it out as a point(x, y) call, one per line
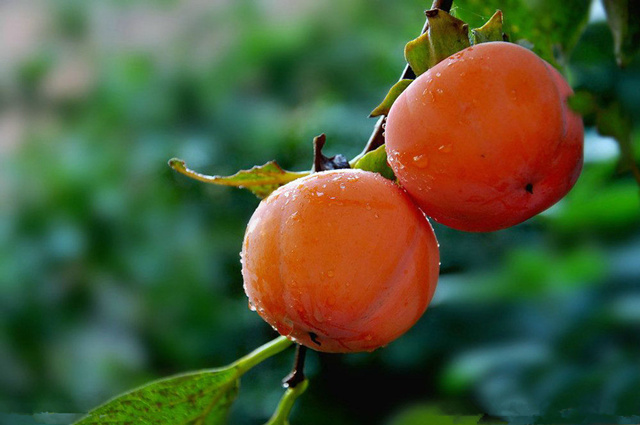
point(446, 35)
point(551, 26)
point(624, 21)
point(432, 415)
point(376, 161)
point(194, 398)
point(260, 180)
point(582, 102)
point(491, 31)
point(394, 92)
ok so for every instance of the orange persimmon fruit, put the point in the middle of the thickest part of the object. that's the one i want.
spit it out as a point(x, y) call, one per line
point(485, 139)
point(340, 261)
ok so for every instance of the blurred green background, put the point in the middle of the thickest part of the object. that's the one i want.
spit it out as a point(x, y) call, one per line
point(114, 270)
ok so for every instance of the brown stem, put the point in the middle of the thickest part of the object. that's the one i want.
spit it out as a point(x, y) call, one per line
point(377, 136)
point(297, 373)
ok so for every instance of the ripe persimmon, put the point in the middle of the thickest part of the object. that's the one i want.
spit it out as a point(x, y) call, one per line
point(340, 261)
point(485, 139)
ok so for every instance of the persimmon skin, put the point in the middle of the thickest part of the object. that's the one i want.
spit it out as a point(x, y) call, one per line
point(340, 261)
point(485, 139)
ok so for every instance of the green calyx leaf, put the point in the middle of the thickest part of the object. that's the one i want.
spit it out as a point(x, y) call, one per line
point(445, 36)
point(624, 21)
point(394, 93)
point(491, 31)
point(260, 180)
point(195, 398)
point(375, 161)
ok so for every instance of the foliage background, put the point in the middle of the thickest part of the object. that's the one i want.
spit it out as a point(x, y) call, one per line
point(115, 270)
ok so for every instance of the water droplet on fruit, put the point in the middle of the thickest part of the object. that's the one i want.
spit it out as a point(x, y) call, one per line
point(342, 186)
point(368, 338)
point(421, 161)
point(368, 207)
point(317, 314)
point(251, 306)
point(439, 91)
point(445, 148)
point(376, 215)
point(438, 74)
point(513, 95)
point(319, 193)
point(331, 273)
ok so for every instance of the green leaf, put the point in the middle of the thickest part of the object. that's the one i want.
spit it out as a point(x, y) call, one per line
point(375, 161)
point(552, 27)
point(260, 180)
point(196, 398)
point(193, 398)
point(394, 93)
point(491, 31)
point(446, 35)
point(624, 21)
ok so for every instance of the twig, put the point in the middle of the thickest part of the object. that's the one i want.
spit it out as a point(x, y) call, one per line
point(297, 373)
point(377, 136)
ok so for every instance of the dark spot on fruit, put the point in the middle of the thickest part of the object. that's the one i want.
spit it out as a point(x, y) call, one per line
point(529, 188)
point(314, 338)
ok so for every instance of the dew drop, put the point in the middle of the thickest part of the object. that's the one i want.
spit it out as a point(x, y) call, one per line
point(445, 148)
point(330, 273)
point(368, 338)
point(439, 91)
point(438, 74)
point(317, 314)
point(342, 186)
point(251, 306)
point(368, 207)
point(421, 161)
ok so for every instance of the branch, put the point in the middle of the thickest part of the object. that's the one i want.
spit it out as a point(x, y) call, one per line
point(377, 137)
point(297, 373)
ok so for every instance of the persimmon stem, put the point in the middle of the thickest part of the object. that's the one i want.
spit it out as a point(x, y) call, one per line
point(297, 373)
point(377, 136)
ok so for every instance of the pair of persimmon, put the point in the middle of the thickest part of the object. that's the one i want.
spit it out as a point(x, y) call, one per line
point(346, 261)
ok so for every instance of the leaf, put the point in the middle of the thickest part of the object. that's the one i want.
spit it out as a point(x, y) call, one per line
point(193, 398)
point(446, 35)
point(551, 26)
point(376, 161)
point(260, 180)
point(394, 93)
point(196, 398)
point(491, 31)
point(624, 21)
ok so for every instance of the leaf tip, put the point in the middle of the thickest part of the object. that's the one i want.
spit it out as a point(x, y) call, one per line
point(177, 164)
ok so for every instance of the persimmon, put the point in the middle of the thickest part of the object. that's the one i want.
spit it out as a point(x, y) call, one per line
point(340, 261)
point(485, 140)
